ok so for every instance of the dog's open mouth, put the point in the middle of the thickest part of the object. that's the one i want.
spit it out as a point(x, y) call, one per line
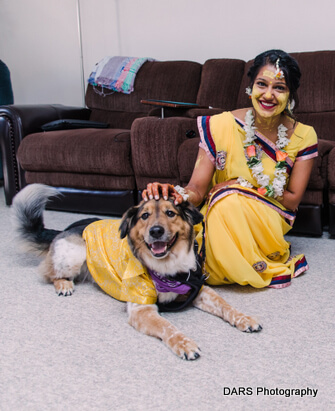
point(159, 249)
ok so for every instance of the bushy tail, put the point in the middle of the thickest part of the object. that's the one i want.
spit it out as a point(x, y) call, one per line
point(27, 217)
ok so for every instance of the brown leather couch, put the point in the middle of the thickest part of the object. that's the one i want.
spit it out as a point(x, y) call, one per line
point(92, 167)
point(104, 170)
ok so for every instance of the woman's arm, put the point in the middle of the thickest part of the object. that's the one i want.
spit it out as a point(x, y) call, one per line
point(201, 177)
point(297, 184)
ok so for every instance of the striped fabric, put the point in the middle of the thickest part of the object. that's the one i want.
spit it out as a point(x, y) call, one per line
point(282, 281)
point(207, 142)
point(251, 193)
point(307, 153)
point(117, 73)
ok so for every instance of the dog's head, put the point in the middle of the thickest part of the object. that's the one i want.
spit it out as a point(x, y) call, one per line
point(161, 235)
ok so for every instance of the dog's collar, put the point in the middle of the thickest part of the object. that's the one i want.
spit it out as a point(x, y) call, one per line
point(183, 283)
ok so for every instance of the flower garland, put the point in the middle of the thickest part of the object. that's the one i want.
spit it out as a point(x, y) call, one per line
point(276, 188)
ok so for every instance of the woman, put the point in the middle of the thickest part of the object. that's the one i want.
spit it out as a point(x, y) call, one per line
point(256, 162)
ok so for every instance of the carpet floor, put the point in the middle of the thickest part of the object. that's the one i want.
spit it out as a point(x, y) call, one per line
point(79, 353)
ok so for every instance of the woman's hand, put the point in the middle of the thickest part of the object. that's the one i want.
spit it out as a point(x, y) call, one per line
point(156, 190)
point(221, 185)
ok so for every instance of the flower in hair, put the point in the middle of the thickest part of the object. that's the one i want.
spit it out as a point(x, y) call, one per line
point(279, 74)
point(248, 91)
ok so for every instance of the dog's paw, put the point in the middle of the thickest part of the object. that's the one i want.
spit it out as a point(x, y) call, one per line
point(247, 324)
point(186, 348)
point(64, 287)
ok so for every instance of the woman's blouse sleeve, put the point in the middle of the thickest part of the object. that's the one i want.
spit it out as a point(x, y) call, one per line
point(206, 138)
point(309, 146)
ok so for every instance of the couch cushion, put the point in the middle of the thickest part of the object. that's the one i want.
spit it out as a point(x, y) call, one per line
point(324, 123)
point(116, 119)
point(220, 83)
point(187, 155)
point(317, 85)
point(318, 178)
point(163, 80)
point(313, 197)
point(95, 151)
point(243, 100)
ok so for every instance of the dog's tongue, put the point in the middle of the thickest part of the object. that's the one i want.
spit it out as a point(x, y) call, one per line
point(158, 247)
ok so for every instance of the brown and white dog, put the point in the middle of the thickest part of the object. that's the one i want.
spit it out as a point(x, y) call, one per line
point(161, 237)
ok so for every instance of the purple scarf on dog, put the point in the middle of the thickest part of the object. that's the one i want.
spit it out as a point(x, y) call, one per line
point(167, 285)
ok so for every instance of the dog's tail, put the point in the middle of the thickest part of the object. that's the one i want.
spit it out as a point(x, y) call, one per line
point(27, 217)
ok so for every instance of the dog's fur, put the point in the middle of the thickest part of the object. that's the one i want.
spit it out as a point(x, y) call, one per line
point(161, 237)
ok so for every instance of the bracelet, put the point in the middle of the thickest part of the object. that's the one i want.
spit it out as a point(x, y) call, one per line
point(182, 192)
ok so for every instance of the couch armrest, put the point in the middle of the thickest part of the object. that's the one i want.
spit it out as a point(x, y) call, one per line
point(318, 179)
point(331, 192)
point(154, 146)
point(28, 119)
point(17, 121)
point(331, 175)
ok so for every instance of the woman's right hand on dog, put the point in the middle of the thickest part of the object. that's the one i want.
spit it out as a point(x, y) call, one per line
point(155, 190)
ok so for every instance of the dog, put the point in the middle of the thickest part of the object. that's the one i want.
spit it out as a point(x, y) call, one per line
point(161, 237)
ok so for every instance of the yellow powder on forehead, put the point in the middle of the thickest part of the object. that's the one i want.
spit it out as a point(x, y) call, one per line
point(269, 73)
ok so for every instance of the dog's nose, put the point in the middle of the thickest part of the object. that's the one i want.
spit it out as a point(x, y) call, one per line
point(156, 231)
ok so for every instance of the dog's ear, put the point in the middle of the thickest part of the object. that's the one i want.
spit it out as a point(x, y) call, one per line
point(126, 221)
point(192, 214)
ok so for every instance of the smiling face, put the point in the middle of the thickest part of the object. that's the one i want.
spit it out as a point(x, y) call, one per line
point(160, 234)
point(270, 94)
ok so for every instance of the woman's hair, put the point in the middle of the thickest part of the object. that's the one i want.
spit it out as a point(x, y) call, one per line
point(286, 63)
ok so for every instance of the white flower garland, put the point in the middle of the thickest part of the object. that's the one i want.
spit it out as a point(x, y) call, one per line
point(276, 188)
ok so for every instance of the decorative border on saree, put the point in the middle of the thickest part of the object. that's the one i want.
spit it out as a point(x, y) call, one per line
point(225, 191)
point(307, 153)
point(282, 281)
point(207, 142)
point(268, 147)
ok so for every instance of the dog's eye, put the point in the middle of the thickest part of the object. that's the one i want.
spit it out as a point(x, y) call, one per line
point(170, 213)
point(145, 216)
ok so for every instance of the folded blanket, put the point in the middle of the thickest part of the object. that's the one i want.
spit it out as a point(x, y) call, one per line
point(117, 73)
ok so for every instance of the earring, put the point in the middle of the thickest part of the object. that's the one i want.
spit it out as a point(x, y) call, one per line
point(290, 106)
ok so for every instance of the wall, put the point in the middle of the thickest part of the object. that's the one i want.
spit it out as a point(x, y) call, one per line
point(40, 41)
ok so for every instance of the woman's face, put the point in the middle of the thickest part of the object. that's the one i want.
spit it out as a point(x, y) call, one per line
point(270, 94)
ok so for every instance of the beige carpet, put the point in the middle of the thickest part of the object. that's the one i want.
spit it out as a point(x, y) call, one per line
point(79, 353)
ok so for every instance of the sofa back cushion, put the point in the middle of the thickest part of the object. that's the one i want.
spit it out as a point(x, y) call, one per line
point(317, 85)
point(220, 83)
point(161, 80)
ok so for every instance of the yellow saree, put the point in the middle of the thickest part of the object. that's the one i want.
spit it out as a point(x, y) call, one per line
point(245, 231)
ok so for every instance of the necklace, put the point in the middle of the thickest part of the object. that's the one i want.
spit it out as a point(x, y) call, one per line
point(276, 187)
